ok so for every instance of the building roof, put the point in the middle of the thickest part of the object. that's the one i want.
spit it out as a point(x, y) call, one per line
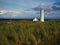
point(35, 19)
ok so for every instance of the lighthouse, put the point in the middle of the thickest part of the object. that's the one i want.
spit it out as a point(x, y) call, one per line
point(42, 14)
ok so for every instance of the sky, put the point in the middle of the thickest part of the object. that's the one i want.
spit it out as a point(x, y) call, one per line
point(26, 9)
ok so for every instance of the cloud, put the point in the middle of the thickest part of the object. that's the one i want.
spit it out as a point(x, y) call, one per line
point(27, 8)
point(9, 13)
point(18, 13)
point(56, 6)
point(13, 12)
point(47, 6)
point(3, 12)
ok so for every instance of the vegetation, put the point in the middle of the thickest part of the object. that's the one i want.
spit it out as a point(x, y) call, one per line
point(29, 33)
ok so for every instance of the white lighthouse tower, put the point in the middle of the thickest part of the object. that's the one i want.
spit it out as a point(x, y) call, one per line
point(42, 14)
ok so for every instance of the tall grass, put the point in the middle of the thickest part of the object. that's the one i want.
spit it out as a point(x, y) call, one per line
point(29, 33)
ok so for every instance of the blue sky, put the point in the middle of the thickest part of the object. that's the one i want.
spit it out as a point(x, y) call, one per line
point(29, 8)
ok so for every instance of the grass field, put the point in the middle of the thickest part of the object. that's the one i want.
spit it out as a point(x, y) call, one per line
point(29, 33)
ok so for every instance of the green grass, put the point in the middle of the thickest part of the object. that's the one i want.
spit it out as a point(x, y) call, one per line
point(29, 33)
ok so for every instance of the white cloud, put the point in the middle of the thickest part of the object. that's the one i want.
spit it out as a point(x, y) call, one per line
point(17, 13)
point(57, 6)
point(3, 12)
point(48, 5)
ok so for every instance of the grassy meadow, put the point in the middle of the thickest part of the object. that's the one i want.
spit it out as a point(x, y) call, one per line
point(26, 32)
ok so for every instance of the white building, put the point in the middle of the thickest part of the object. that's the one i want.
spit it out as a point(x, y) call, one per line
point(35, 19)
point(42, 14)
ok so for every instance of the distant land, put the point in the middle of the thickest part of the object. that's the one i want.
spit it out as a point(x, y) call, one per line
point(31, 19)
